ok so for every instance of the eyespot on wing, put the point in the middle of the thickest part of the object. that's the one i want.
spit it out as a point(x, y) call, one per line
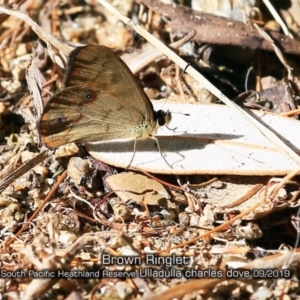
point(88, 96)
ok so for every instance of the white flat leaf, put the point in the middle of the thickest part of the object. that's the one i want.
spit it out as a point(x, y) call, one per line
point(211, 139)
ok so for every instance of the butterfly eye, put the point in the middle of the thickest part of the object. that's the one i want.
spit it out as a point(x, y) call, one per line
point(60, 119)
point(161, 121)
point(88, 96)
point(162, 117)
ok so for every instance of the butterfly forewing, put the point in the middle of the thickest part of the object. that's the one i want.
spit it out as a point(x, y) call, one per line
point(100, 101)
point(99, 67)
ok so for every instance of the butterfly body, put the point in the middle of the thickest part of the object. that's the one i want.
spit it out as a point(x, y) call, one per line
point(100, 101)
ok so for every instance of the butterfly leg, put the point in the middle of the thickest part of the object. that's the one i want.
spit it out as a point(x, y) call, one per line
point(157, 143)
point(134, 150)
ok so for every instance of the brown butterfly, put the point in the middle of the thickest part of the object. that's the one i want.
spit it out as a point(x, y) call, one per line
point(100, 101)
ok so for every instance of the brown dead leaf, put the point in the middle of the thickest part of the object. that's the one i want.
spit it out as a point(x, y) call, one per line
point(139, 188)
